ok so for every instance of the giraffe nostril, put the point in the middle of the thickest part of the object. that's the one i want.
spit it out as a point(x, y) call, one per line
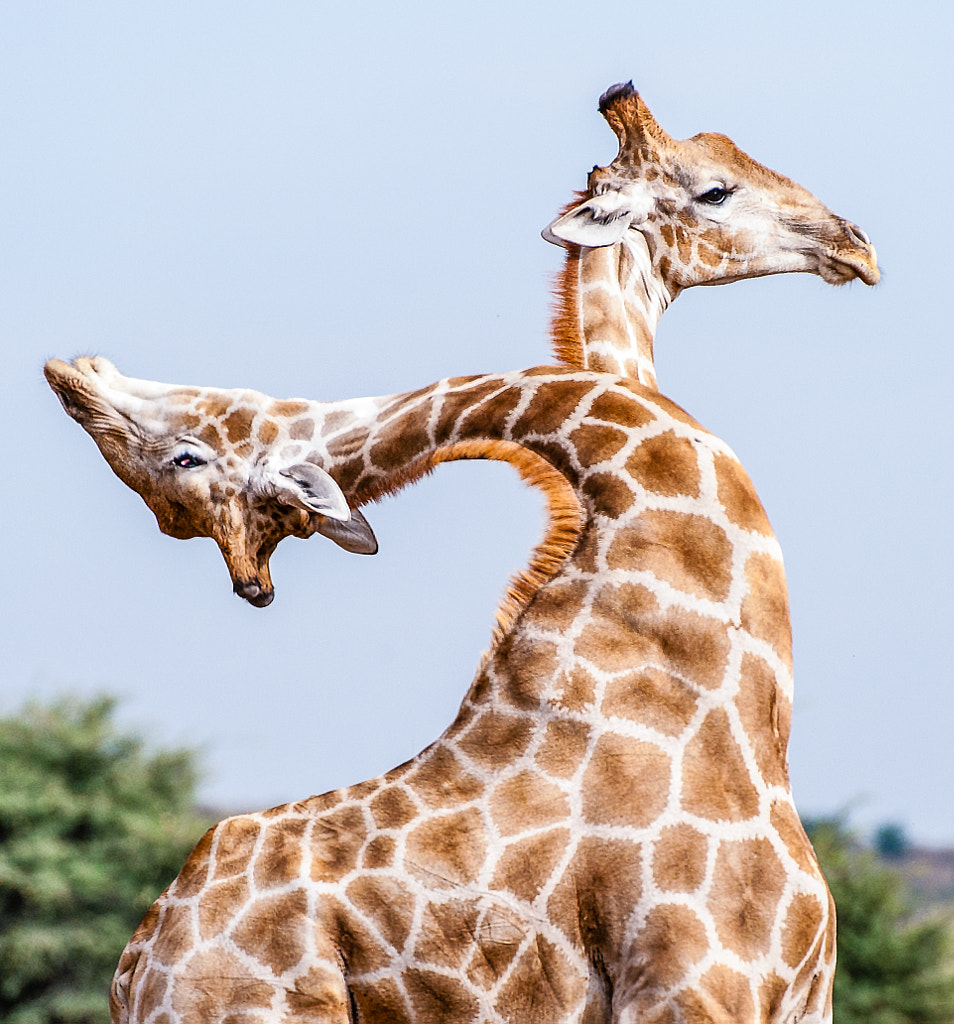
point(856, 233)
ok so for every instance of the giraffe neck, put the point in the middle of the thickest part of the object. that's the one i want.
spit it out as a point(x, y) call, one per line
point(611, 299)
point(610, 808)
point(659, 507)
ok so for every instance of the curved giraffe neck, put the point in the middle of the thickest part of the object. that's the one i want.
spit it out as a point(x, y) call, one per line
point(606, 829)
point(609, 301)
point(554, 426)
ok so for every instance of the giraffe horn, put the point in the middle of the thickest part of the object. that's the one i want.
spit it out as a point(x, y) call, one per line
point(631, 120)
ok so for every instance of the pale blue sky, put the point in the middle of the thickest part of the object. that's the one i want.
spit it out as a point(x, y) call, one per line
point(336, 200)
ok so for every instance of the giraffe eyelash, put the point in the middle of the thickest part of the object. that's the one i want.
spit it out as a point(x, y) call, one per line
point(715, 196)
point(188, 460)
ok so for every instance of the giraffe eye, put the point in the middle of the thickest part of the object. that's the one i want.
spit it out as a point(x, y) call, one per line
point(187, 460)
point(715, 196)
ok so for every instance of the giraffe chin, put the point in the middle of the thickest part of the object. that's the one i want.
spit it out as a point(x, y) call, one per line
point(252, 592)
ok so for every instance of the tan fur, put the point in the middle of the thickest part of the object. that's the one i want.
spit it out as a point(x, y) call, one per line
point(605, 311)
point(605, 833)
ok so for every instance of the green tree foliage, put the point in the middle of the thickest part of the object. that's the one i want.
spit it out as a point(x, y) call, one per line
point(92, 828)
point(891, 968)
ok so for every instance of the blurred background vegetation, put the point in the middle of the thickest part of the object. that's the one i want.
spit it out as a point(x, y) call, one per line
point(94, 825)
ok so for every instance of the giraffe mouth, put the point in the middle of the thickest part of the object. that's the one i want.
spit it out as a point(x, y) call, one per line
point(840, 268)
point(70, 385)
point(254, 593)
point(851, 256)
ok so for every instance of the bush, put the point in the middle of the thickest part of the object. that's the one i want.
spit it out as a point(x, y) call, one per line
point(891, 969)
point(92, 828)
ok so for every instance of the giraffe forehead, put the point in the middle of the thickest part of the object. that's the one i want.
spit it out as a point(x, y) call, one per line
point(718, 153)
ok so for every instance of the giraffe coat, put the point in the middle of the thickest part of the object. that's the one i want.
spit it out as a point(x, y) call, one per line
point(606, 830)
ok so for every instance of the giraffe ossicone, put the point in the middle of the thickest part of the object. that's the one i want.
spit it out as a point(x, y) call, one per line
point(666, 215)
point(606, 832)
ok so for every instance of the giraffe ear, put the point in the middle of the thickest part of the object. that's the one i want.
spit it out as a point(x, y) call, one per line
point(598, 221)
point(355, 535)
point(309, 487)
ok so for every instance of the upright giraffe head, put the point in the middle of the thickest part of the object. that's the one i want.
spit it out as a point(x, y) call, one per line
point(212, 462)
point(709, 212)
point(666, 215)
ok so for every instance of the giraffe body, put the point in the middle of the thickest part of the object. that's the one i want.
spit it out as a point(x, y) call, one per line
point(606, 831)
point(669, 214)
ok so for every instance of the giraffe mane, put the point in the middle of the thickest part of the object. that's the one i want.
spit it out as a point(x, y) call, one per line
point(566, 333)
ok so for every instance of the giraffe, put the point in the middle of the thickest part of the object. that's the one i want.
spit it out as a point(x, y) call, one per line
point(606, 831)
point(666, 215)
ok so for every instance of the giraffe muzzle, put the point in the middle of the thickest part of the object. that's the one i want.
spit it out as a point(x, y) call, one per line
point(252, 591)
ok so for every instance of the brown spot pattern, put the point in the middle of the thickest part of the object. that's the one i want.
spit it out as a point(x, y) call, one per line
point(679, 858)
point(437, 997)
point(786, 823)
point(392, 808)
point(542, 986)
point(302, 430)
point(288, 407)
point(446, 933)
point(621, 409)
point(671, 941)
point(737, 497)
point(236, 839)
point(267, 431)
point(575, 690)
point(626, 782)
point(336, 842)
point(563, 747)
point(482, 420)
point(403, 442)
point(272, 929)
point(381, 1001)
point(765, 608)
point(550, 407)
point(219, 904)
point(174, 934)
point(215, 983)
point(715, 780)
point(238, 425)
point(800, 931)
point(593, 900)
point(556, 605)
point(746, 888)
point(452, 846)
point(666, 464)
point(689, 552)
point(608, 494)
point(526, 864)
point(281, 855)
point(526, 801)
point(388, 903)
point(724, 997)
point(379, 853)
point(496, 738)
point(657, 699)
point(766, 716)
point(195, 871)
point(441, 781)
point(213, 406)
